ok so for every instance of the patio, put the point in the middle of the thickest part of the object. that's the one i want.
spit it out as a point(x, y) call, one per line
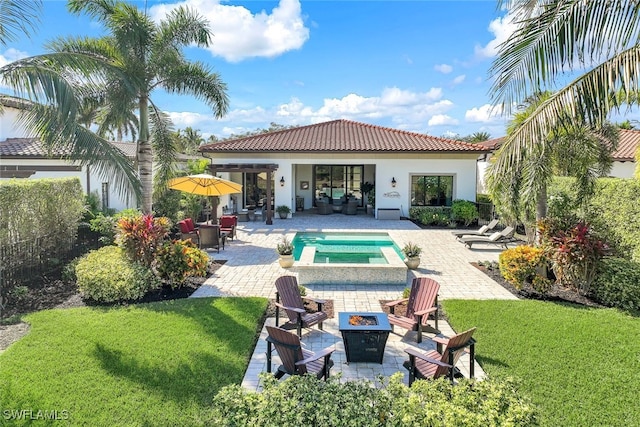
point(251, 269)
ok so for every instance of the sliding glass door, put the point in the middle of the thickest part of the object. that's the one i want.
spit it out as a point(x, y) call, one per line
point(336, 181)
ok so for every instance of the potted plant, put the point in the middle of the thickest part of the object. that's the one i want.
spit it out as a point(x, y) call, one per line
point(285, 250)
point(368, 190)
point(412, 252)
point(283, 211)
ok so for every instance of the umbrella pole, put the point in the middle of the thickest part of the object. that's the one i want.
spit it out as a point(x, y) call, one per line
point(214, 209)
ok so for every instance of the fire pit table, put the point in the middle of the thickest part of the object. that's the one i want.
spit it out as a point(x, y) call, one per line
point(364, 335)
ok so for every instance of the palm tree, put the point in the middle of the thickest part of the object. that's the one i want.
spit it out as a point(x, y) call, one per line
point(150, 56)
point(571, 150)
point(47, 90)
point(554, 37)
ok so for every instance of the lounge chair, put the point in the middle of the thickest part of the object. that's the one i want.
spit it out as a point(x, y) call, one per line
point(422, 301)
point(289, 299)
point(437, 363)
point(296, 360)
point(500, 238)
point(485, 230)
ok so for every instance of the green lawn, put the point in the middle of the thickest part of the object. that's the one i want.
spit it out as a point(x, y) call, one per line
point(580, 366)
point(148, 364)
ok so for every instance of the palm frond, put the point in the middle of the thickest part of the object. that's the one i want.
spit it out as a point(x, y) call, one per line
point(184, 26)
point(162, 139)
point(196, 79)
point(83, 146)
point(18, 18)
point(556, 36)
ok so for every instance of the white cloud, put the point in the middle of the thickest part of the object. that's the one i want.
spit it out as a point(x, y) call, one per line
point(485, 114)
point(443, 68)
point(10, 55)
point(441, 119)
point(239, 34)
point(459, 79)
point(396, 107)
point(502, 29)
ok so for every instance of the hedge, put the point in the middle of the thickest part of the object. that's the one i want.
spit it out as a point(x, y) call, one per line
point(47, 210)
point(618, 284)
point(614, 211)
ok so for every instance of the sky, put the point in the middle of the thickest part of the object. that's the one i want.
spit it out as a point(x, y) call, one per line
point(419, 66)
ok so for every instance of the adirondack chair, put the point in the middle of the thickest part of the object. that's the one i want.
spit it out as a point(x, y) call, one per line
point(437, 363)
point(296, 360)
point(422, 301)
point(289, 299)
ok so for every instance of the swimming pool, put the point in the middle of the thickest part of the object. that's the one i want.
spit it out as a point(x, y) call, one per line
point(348, 258)
point(349, 248)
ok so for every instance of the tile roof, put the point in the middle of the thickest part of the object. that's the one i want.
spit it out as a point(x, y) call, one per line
point(342, 136)
point(31, 147)
point(627, 145)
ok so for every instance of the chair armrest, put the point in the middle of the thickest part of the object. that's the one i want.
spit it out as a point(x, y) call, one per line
point(296, 309)
point(440, 340)
point(413, 352)
point(316, 300)
point(316, 356)
point(396, 302)
point(425, 311)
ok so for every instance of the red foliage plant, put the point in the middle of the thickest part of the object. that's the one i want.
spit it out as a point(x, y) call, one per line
point(141, 236)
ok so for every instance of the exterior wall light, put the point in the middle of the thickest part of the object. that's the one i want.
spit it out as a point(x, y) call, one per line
point(282, 181)
point(393, 182)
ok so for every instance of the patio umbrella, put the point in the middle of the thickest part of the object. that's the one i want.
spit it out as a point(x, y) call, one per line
point(205, 185)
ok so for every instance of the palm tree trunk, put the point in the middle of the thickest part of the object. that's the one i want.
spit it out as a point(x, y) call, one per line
point(145, 156)
point(541, 209)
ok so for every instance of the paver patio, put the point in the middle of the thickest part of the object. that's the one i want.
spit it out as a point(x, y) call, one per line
point(252, 267)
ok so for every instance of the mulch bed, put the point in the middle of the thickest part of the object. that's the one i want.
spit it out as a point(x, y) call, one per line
point(557, 293)
point(52, 292)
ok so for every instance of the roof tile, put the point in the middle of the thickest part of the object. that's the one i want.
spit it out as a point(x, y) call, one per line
point(342, 136)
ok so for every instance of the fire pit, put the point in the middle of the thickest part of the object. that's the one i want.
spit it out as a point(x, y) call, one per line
point(364, 335)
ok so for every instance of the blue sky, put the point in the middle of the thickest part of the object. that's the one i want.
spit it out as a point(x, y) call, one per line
point(414, 65)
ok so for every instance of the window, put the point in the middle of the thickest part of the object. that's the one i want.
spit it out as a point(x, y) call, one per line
point(105, 195)
point(431, 190)
point(255, 189)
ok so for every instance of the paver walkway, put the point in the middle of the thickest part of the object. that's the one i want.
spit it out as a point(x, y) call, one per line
point(252, 267)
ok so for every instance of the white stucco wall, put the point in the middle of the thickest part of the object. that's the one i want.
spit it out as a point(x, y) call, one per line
point(297, 167)
point(623, 169)
point(9, 124)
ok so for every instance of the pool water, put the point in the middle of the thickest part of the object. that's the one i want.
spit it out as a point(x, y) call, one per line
point(345, 248)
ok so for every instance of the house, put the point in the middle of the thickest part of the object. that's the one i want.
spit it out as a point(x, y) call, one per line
point(624, 162)
point(22, 156)
point(333, 160)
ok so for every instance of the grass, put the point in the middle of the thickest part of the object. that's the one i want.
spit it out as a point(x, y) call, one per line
point(146, 364)
point(580, 366)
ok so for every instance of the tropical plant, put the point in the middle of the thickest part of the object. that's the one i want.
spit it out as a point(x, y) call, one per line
point(283, 209)
point(141, 236)
point(284, 247)
point(141, 56)
point(179, 259)
point(518, 177)
point(553, 38)
point(411, 250)
point(525, 265)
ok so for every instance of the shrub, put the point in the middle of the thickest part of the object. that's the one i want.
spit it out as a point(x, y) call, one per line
point(284, 247)
point(69, 270)
point(179, 259)
point(575, 255)
point(107, 225)
point(140, 236)
point(618, 284)
point(305, 400)
point(106, 275)
point(523, 264)
point(430, 215)
point(464, 211)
